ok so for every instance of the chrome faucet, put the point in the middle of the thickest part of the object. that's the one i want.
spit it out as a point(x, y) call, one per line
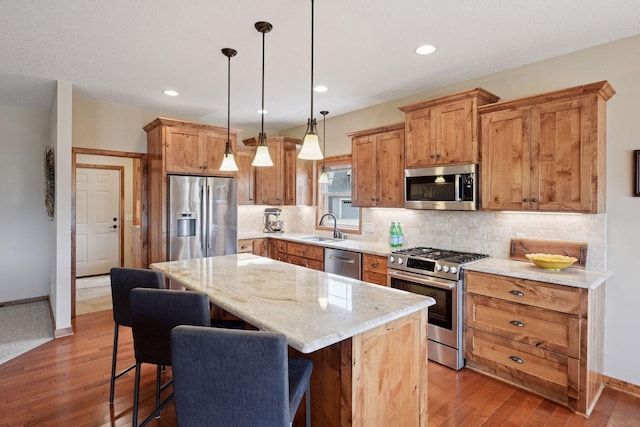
point(337, 234)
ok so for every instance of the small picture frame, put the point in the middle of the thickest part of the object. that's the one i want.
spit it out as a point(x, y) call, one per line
point(636, 164)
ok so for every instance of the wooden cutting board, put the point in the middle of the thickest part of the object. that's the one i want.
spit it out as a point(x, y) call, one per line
point(522, 246)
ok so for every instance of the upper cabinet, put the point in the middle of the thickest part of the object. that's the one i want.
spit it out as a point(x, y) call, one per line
point(246, 175)
point(546, 152)
point(378, 167)
point(189, 148)
point(289, 181)
point(444, 130)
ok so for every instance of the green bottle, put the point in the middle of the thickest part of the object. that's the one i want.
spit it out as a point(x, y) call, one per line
point(400, 235)
point(393, 235)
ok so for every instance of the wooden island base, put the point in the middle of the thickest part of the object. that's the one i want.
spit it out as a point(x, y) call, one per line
point(376, 378)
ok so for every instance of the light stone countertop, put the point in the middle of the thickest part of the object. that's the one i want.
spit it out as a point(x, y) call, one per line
point(313, 309)
point(373, 248)
point(576, 277)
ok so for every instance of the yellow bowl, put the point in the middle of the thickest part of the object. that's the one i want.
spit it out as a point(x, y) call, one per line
point(551, 262)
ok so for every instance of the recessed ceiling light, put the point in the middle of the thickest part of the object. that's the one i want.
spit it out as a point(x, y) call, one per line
point(425, 49)
point(262, 111)
point(170, 92)
point(321, 88)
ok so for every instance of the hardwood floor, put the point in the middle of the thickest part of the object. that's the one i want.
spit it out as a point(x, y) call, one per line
point(65, 382)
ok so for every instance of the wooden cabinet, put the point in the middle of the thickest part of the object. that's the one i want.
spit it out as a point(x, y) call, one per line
point(374, 269)
point(253, 246)
point(305, 255)
point(289, 181)
point(444, 130)
point(378, 167)
point(543, 337)
point(546, 152)
point(310, 256)
point(178, 147)
point(246, 175)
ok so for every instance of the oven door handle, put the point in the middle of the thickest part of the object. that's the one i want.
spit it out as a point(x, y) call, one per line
point(423, 280)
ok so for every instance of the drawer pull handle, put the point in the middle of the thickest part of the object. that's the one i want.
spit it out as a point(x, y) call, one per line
point(517, 293)
point(516, 359)
point(517, 323)
point(374, 265)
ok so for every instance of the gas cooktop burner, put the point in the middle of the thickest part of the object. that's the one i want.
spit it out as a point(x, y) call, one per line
point(440, 254)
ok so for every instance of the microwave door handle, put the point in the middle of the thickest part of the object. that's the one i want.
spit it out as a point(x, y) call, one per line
point(459, 187)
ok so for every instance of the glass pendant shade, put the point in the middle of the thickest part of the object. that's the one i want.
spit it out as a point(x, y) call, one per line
point(228, 161)
point(324, 178)
point(311, 143)
point(262, 157)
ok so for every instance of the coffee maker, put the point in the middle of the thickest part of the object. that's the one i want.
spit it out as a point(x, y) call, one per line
point(272, 225)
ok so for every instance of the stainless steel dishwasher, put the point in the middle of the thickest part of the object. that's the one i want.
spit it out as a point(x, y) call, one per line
point(344, 263)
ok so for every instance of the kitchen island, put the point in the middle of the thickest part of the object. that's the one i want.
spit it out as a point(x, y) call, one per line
point(367, 342)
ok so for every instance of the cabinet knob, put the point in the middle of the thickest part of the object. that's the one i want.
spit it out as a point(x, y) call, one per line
point(517, 293)
point(374, 265)
point(432, 156)
point(516, 359)
point(437, 156)
point(517, 323)
point(534, 200)
point(525, 200)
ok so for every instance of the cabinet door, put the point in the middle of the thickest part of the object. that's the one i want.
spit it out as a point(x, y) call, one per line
point(365, 187)
point(245, 246)
point(213, 148)
point(506, 162)
point(562, 156)
point(454, 143)
point(182, 147)
point(260, 247)
point(270, 180)
point(420, 138)
point(390, 174)
point(246, 175)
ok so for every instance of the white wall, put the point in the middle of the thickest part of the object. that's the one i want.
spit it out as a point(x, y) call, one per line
point(619, 63)
point(60, 295)
point(24, 226)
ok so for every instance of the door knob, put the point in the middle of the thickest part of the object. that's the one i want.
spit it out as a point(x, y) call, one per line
point(114, 226)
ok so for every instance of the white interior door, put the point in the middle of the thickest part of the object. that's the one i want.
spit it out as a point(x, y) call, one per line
point(97, 220)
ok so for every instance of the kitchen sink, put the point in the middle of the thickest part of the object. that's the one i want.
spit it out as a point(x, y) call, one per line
point(319, 239)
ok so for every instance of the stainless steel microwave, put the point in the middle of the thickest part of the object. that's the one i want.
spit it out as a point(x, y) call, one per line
point(452, 188)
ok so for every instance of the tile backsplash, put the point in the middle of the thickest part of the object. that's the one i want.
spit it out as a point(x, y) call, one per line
point(484, 232)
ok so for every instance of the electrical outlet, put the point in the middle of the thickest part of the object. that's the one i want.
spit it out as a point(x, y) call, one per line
point(368, 227)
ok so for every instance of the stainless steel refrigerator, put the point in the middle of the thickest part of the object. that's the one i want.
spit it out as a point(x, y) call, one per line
point(203, 216)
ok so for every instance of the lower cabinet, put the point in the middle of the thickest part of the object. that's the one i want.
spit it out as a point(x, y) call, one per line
point(310, 256)
point(253, 246)
point(540, 336)
point(374, 269)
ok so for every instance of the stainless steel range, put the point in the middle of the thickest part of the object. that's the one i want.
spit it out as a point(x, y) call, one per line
point(436, 273)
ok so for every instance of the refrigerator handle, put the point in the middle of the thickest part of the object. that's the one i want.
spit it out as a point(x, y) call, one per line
point(202, 217)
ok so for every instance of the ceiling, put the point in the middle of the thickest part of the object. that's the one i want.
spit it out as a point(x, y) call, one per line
point(128, 52)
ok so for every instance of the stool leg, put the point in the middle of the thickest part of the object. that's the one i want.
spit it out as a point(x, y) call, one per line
point(158, 385)
point(136, 396)
point(307, 399)
point(113, 364)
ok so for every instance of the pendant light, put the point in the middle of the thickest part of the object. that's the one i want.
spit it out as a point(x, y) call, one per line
point(324, 178)
point(310, 143)
point(262, 157)
point(228, 161)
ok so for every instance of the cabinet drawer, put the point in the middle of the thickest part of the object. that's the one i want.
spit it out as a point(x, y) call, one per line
point(538, 294)
point(306, 262)
point(245, 246)
point(306, 251)
point(541, 371)
point(372, 277)
point(544, 329)
point(374, 263)
point(280, 245)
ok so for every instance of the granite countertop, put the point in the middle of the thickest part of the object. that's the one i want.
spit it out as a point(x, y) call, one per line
point(572, 276)
point(373, 248)
point(313, 309)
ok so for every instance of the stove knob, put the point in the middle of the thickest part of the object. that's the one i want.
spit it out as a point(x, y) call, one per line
point(400, 261)
point(453, 270)
point(445, 268)
point(438, 267)
point(392, 259)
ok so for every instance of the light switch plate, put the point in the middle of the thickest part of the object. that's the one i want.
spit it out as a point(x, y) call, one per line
point(368, 227)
